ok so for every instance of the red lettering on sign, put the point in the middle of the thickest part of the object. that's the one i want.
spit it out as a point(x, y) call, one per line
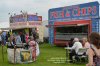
point(67, 14)
point(78, 12)
point(94, 10)
point(62, 14)
point(54, 14)
point(83, 11)
point(89, 10)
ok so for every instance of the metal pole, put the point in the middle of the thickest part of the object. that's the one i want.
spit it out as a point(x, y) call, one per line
point(2, 52)
point(22, 45)
point(14, 53)
point(35, 52)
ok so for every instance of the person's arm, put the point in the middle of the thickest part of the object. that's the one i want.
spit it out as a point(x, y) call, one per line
point(20, 39)
point(74, 46)
point(90, 57)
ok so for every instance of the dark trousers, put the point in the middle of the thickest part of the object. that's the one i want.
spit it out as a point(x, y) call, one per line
point(26, 46)
point(0, 42)
point(71, 54)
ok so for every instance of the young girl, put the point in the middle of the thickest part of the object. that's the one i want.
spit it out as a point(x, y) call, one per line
point(32, 48)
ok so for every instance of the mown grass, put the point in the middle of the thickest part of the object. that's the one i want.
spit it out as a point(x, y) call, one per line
point(49, 56)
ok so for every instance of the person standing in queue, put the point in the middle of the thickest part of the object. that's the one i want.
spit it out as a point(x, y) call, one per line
point(22, 37)
point(35, 35)
point(11, 41)
point(0, 38)
point(18, 39)
point(27, 40)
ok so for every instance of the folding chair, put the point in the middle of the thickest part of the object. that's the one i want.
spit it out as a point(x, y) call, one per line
point(81, 55)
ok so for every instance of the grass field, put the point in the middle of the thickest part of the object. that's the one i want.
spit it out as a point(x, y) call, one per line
point(49, 56)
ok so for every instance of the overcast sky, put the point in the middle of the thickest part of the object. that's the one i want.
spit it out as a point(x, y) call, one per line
point(32, 6)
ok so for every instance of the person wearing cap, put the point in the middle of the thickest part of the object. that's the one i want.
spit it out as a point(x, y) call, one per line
point(75, 48)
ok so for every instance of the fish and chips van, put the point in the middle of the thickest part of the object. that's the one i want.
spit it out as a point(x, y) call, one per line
point(73, 21)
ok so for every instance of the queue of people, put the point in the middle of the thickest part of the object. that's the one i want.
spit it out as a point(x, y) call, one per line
point(14, 39)
point(20, 38)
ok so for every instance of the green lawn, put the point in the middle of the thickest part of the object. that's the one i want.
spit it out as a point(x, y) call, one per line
point(49, 56)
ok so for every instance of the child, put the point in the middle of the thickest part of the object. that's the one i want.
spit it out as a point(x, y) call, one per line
point(32, 48)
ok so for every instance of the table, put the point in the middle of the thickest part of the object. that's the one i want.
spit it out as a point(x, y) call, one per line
point(68, 49)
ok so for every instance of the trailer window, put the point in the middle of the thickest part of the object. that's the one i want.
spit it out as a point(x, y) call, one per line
point(74, 29)
point(66, 33)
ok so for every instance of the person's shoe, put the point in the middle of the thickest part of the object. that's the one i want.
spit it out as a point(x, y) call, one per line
point(71, 61)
